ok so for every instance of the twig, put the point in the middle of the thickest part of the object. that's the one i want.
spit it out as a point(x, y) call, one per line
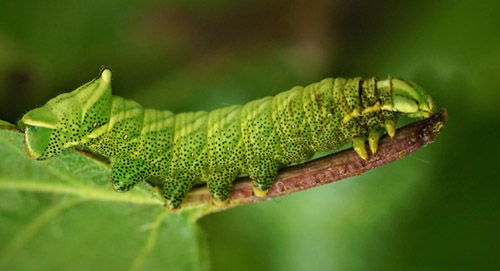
point(325, 170)
point(331, 168)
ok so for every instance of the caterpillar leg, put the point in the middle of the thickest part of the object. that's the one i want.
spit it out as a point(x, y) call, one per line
point(359, 146)
point(373, 138)
point(266, 172)
point(220, 185)
point(262, 184)
point(175, 189)
point(390, 127)
point(127, 172)
point(357, 131)
point(359, 143)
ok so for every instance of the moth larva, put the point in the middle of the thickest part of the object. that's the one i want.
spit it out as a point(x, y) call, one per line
point(215, 147)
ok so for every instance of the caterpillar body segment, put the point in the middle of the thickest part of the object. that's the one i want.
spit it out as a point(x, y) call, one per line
point(215, 147)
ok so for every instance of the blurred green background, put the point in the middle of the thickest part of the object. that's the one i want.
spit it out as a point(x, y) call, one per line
point(437, 209)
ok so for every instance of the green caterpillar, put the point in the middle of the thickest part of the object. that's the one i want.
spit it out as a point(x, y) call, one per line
point(215, 147)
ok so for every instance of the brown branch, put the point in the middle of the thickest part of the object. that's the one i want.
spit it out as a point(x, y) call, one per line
point(325, 170)
point(331, 168)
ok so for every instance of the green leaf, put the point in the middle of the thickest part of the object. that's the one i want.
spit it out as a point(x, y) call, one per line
point(62, 214)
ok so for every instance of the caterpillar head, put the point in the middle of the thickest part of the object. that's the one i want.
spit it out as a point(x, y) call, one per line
point(410, 99)
point(68, 119)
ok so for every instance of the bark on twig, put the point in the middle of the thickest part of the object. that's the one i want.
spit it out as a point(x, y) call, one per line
point(331, 168)
point(325, 170)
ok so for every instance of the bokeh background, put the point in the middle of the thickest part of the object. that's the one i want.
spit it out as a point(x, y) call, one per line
point(437, 209)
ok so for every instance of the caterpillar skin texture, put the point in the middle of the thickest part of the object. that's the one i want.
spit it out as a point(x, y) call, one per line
point(215, 147)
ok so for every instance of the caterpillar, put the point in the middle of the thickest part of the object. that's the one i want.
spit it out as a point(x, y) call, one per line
point(215, 147)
